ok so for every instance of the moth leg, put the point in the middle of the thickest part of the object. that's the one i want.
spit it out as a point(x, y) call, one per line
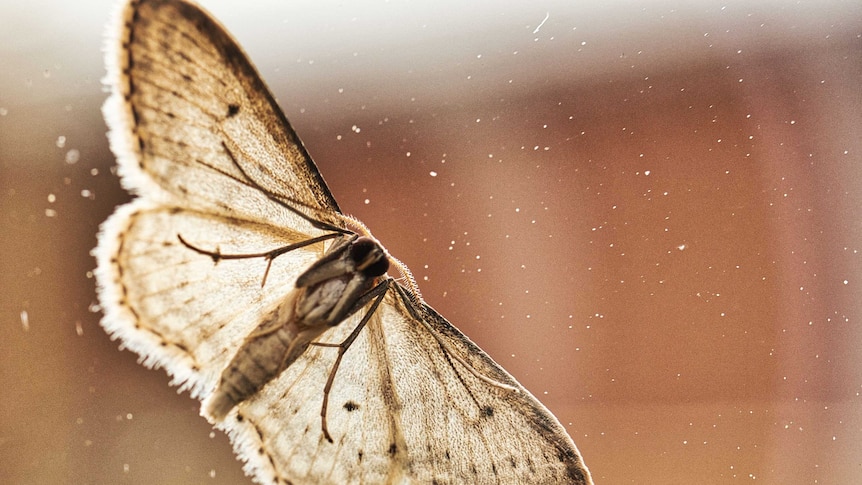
point(217, 255)
point(377, 293)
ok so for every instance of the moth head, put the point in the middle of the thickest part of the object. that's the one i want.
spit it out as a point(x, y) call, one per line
point(406, 275)
point(369, 256)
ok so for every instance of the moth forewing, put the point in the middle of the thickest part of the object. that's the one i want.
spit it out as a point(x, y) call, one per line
point(330, 290)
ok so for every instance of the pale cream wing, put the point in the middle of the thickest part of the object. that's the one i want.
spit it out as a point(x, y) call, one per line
point(402, 410)
point(191, 120)
point(179, 309)
point(498, 436)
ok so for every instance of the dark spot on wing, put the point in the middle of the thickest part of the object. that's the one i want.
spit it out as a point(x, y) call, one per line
point(359, 455)
point(240, 417)
point(393, 448)
point(487, 411)
point(259, 433)
point(142, 146)
point(232, 110)
point(351, 406)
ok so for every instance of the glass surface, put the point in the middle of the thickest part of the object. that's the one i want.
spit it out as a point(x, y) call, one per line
point(649, 213)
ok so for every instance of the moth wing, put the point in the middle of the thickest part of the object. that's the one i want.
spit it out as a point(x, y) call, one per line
point(190, 119)
point(179, 309)
point(201, 141)
point(402, 409)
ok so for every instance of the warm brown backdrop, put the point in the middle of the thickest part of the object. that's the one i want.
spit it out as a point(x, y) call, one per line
point(651, 214)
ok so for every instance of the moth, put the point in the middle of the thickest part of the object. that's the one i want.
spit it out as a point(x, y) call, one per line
point(234, 270)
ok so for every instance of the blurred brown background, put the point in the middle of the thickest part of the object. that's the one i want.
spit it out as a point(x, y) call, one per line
point(649, 212)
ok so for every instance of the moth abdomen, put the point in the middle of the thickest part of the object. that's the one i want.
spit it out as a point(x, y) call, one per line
point(266, 352)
